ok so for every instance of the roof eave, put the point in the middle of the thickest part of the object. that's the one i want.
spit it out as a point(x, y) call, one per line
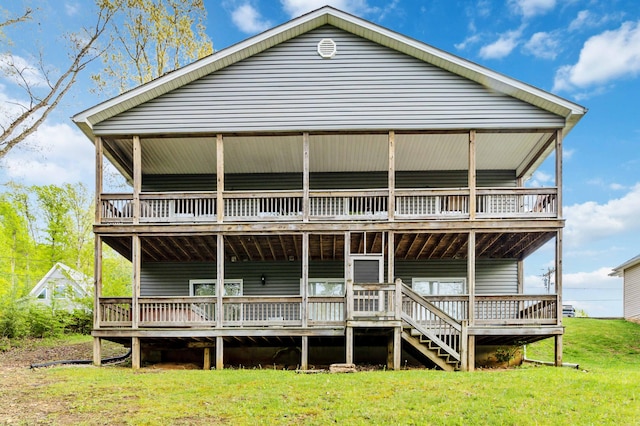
point(619, 270)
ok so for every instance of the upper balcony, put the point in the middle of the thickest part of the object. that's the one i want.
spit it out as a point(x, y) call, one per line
point(336, 205)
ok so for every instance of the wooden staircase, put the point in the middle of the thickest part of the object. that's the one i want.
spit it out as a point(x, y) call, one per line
point(433, 333)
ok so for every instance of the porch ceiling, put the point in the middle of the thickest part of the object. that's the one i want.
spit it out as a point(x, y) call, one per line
point(329, 152)
point(325, 247)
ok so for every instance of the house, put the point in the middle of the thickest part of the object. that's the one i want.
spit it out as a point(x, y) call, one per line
point(361, 193)
point(61, 288)
point(630, 274)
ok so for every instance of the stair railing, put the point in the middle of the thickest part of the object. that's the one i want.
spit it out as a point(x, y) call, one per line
point(432, 323)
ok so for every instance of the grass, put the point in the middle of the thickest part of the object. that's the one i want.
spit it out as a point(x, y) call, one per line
point(603, 391)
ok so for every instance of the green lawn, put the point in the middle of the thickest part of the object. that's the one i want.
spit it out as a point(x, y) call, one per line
point(605, 390)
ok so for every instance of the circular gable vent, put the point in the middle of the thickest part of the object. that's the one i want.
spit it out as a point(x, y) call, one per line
point(327, 48)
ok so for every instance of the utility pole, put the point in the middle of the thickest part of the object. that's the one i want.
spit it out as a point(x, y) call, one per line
point(546, 278)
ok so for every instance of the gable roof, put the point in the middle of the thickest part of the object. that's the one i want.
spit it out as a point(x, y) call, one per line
point(79, 280)
point(570, 111)
point(619, 270)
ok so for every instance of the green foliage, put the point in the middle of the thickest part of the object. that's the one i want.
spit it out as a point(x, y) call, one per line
point(151, 38)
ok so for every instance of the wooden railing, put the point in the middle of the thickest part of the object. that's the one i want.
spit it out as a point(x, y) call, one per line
point(517, 309)
point(376, 302)
point(371, 204)
point(517, 202)
point(431, 322)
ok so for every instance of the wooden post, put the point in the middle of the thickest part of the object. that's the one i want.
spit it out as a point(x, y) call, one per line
point(392, 176)
point(398, 300)
point(305, 177)
point(219, 178)
point(304, 309)
point(390, 353)
point(471, 348)
point(97, 352)
point(464, 346)
point(558, 350)
point(137, 178)
point(471, 275)
point(136, 356)
point(350, 303)
point(349, 345)
point(391, 270)
point(99, 178)
point(135, 293)
point(219, 353)
point(304, 353)
point(97, 281)
point(472, 174)
point(219, 280)
point(397, 348)
point(207, 359)
point(559, 171)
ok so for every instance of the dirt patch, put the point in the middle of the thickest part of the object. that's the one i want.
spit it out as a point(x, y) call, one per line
point(32, 352)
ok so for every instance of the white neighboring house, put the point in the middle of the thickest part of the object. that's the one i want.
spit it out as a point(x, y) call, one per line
point(61, 288)
point(630, 273)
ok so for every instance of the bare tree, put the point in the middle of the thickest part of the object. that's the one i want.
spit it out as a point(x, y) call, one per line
point(42, 95)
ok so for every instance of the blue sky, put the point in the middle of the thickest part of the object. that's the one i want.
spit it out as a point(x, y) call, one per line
point(587, 51)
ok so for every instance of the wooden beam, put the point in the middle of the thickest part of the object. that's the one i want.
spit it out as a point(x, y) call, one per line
point(136, 355)
point(97, 351)
point(471, 275)
point(559, 170)
point(305, 177)
point(472, 174)
point(135, 293)
point(349, 345)
point(207, 358)
point(305, 279)
point(97, 280)
point(219, 178)
point(219, 285)
point(558, 350)
point(99, 178)
point(304, 353)
point(219, 353)
point(137, 178)
point(392, 176)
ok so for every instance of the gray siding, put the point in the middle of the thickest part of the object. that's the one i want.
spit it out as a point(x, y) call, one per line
point(284, 181)
point(365, 86)
point(283, 278)
point(632, 293)
point(493, 276)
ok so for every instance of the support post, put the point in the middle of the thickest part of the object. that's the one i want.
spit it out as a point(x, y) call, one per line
point(137, 178)
point(471, 348)
point(207, 359)
point(97, 281)
point(472, 174)
point(97, 351)
point(464, 346)
point(219, 353)
point(305, 279)
point(304, 353)
point(349, 345)
point(99, 177)
point(135, 293)
point(219, 280)
point(471, 275)
point(392, 176)
point(219, 178)
point(136, 356)
point(397, 348)
point(558, 350)
point(305, 177)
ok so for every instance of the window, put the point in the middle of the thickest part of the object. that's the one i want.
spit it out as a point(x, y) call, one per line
point(326, 287)
point(60, 291)
point(207, 287)
point(439, 286)
point(42, 294)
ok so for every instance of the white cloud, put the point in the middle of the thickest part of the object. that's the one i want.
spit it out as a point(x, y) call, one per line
point(598, 279)
point(296, 8)
point(604, 57)
point(249, 20)
point(543, 45)
point(501, 47)
point(467, 41)
point(71, 8)
point(530, 8)
point(590, 221)
point(540, 179)
point(54, 154)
